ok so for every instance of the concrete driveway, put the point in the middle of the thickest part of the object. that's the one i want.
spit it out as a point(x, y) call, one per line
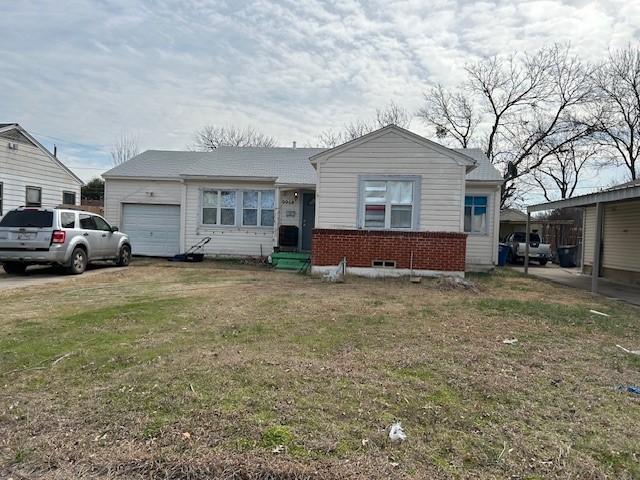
point(41, 275)
point(572, 277)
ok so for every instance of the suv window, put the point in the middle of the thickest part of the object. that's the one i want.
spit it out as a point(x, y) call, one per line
point(68, 220)
point(27, 218)
point(87, 222)
point(101, 224)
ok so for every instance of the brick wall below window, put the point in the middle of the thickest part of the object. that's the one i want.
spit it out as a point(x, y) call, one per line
point(442, 251)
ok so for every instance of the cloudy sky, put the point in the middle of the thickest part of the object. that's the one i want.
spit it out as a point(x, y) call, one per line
point(78, 73)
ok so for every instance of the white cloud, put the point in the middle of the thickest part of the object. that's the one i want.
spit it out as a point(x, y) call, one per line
point(91, 69)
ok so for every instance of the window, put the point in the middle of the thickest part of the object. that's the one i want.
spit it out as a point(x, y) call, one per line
point(475, 214)
point(27, 218)
point(68, 198)
point(33, 197)
point(101, 224)
point(1, 191)
point(258, 208)
point(389, 204)
point(68, 220)
point(218, 207)
point(87, 222)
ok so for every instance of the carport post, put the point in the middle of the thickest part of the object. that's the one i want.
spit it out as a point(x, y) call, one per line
point(597, 249)
point(526, 239)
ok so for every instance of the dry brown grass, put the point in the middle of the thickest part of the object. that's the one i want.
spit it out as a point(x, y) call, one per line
point(200, 371)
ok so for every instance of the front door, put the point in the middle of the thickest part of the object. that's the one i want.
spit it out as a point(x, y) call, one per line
point(308, 219)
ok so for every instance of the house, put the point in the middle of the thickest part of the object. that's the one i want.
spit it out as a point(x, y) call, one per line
point(378, 200)
point(30, 175)
point(611, 228)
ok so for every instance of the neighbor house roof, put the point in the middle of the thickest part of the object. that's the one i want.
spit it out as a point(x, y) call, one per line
point(8, 127)
point(283, 165)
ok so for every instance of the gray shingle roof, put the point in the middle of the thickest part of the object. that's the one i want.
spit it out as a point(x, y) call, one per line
point(484, 171)
point(286, 165)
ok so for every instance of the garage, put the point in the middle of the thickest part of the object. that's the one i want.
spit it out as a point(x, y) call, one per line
point(154, 230)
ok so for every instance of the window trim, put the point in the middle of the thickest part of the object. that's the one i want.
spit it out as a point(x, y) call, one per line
point(26, 202)
point(2, 198)
point(218, 208)
point(69, 192)
point(485, 231)
point(415, 201)
point(258, 209)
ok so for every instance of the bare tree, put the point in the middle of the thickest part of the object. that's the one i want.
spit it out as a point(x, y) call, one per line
point(520, 101)
point(211, 137)
point(125, 148)
point(391, 114)
point(559, 176)
point(617, 107)
point(452, 114)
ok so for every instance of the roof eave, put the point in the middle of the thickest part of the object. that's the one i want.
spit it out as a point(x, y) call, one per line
point(627, 193)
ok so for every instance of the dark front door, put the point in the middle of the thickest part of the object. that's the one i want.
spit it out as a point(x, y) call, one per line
point(308, 219)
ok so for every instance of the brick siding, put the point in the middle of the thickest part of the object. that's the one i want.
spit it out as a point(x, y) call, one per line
point(443, 251)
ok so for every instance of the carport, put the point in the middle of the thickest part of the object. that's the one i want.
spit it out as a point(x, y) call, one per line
point(611, 229)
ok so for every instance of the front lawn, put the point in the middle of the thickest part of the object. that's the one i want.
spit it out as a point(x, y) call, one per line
point(225, 371)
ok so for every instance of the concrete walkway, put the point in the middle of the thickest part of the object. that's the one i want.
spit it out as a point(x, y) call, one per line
point(573, 278)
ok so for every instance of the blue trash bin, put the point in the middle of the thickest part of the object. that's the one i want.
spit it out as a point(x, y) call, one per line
point(503, 253)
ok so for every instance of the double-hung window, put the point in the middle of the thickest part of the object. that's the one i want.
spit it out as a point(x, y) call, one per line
point(475, 214)
point(219, 207)
point(389, 204)
point(258, 208)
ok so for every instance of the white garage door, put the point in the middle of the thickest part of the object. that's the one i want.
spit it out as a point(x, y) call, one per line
point(153, 229)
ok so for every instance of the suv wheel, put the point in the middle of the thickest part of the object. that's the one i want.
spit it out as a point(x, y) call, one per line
point(543, 262)
point(78, 262)
point(14, 268)
point(124, 257)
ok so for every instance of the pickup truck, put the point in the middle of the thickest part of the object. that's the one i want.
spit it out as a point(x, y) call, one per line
point(539, 251)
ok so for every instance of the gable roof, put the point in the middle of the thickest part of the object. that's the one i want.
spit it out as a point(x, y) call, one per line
point(283, 165)
point(458, 157)
point(7, 127)
point(484, 171)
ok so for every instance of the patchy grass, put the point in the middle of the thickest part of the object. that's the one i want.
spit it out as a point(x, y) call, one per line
point(232, 371)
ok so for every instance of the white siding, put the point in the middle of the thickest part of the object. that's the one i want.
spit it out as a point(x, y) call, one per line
point(226, 241)
point(290, 207)
point(390, 154)
point(589, 234)
point(620, 234)
point(118, 192)
point(30, 166)
point(482, 248)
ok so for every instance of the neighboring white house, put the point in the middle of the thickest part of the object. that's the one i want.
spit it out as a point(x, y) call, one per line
point(253, 201)
point(30, 175)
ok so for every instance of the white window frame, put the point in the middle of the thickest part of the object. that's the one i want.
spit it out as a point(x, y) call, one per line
point(26, 202)
point(473, 206)
point(219, 207)
point(415, 201)
point(259, 209)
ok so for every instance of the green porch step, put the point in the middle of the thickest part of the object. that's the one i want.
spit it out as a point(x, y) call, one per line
point(290, 261)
